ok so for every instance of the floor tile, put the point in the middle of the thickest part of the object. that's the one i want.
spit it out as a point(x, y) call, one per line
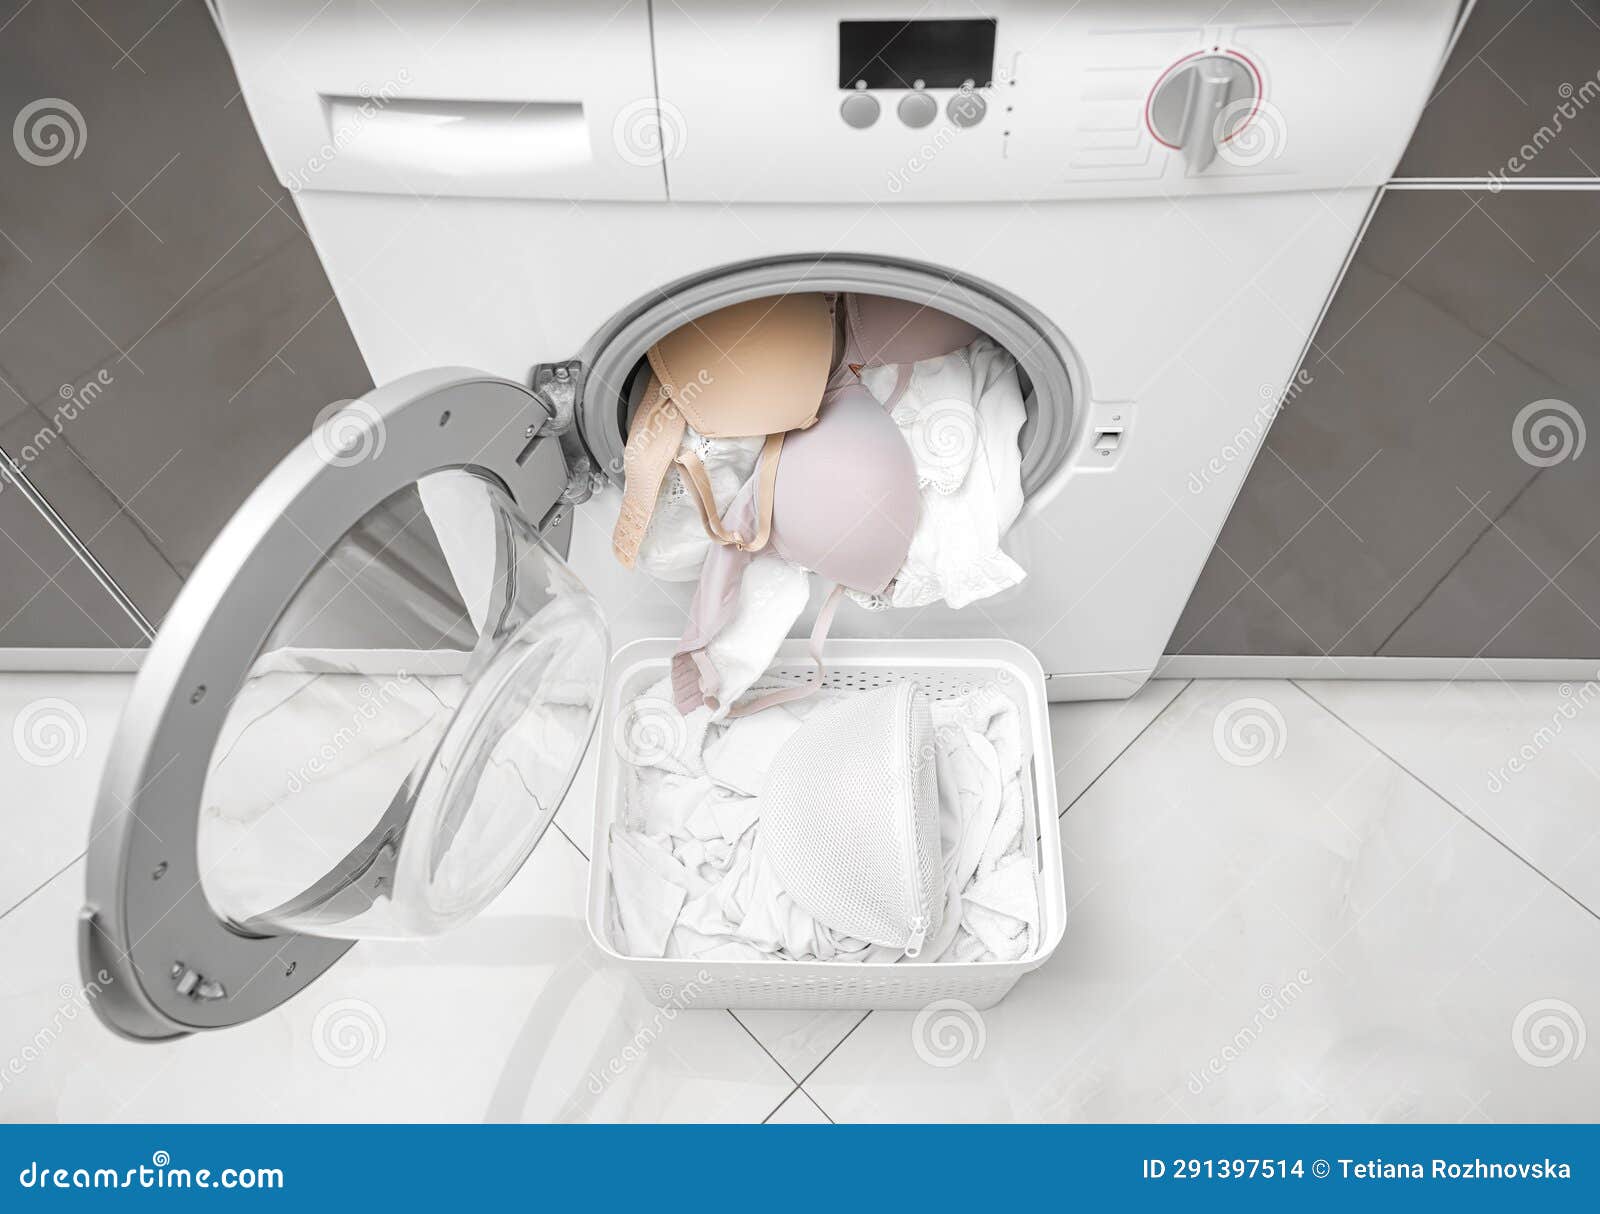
point(1270, 921)
point(58, 729)
point(1521, 759)
point(799, 1039)
point(799, 1109)
point(513, 1017)
point(1087, 736)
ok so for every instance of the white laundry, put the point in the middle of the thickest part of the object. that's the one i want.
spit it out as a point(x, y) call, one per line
point(961, 415)
point(687, 844)
point(676, 543)
point(771, 598)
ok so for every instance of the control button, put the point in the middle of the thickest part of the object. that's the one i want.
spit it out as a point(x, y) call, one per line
point(967, 108)
point(859, 110)
point(918, 109)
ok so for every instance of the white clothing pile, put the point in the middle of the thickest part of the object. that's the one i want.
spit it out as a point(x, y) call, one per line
point(961, 415)
point(690, 877)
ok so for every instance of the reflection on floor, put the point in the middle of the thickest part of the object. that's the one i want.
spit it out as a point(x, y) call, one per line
point(1289, 901)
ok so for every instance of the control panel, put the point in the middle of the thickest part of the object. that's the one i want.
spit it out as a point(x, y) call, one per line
point(1029, 99)
point(919, 64)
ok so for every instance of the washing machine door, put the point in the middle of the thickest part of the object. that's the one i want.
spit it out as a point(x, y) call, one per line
point(359, 717)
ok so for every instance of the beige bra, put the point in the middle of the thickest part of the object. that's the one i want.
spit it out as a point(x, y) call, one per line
point(755, 368)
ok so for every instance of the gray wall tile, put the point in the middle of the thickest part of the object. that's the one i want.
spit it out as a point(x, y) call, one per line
point(1518, 63)
point(114, 534)
point(48, 598)
point(1458, 313)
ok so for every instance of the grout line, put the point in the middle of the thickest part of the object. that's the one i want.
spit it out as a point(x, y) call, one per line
point(1166, 708)
point(1484, 533)
point(47, 881)
point(817, 1106)
point(733, 1013)
point(560, 830)
point(780, 1103)
point(1506, 847)
point(830, 1053)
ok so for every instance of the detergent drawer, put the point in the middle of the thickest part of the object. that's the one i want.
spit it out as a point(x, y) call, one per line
point(495, 99)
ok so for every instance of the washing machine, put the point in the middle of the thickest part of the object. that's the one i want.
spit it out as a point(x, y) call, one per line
point(1147, 202)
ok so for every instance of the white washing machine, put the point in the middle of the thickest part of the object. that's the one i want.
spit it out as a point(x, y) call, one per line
point(1146, 201)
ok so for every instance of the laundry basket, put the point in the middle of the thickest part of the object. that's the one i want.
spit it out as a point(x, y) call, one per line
point(943, 668)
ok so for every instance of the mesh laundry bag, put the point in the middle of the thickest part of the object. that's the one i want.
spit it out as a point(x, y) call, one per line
point(850, 818)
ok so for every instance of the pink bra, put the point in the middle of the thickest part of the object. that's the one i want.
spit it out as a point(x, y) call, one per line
point(845, 505)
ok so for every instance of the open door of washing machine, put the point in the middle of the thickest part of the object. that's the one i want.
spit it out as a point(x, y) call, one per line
point(359, 717)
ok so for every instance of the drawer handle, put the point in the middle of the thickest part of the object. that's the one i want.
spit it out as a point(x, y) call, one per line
point(460, 138)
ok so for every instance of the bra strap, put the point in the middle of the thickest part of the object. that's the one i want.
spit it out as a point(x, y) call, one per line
point(653, 441)
point(819, 638)
point(700, 486)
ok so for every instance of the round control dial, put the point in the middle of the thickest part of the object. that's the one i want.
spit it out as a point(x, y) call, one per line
point(1202, 102)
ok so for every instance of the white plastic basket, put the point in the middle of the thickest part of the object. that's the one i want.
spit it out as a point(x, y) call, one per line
point(943, 668)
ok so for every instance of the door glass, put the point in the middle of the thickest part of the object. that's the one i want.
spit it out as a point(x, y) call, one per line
point(410, 725)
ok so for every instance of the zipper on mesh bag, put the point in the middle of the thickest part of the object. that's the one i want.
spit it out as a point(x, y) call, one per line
point(920, 918)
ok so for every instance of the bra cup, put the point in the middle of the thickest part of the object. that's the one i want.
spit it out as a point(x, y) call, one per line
point(845, 503)
point(887, 332)
point(752, 368)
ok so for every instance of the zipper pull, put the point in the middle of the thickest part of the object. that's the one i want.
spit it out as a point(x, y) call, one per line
point(919, 933)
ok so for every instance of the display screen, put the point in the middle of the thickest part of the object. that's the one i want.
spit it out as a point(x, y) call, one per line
point(897, 54)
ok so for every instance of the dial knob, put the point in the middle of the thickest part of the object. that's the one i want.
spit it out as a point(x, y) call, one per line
point(1201, 103)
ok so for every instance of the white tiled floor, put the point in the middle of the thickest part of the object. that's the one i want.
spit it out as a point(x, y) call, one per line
point(1339, 901)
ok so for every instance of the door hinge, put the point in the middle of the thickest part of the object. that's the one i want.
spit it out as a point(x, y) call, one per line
point(558, 387)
